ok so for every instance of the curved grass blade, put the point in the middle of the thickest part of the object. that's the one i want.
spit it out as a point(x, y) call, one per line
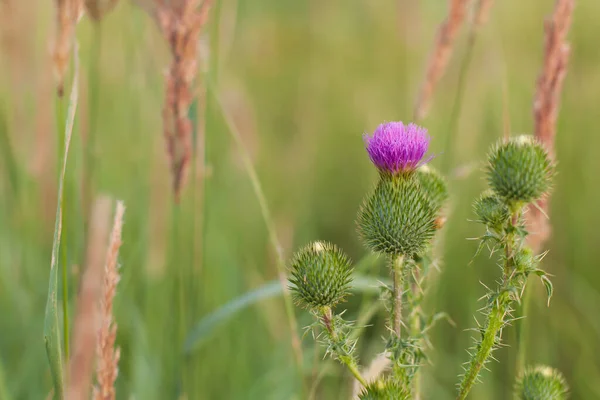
point(52, 338)
point(207, 325)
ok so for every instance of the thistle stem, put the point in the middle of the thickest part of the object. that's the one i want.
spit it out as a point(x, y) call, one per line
point(344, 358)
point(494, 325)
point(497, 313)
point(351, 364)
point(397, 266)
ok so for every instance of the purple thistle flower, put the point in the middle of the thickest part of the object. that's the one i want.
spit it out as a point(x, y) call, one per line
point(395, 147)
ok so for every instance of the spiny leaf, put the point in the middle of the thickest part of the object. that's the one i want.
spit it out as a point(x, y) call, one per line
point(549, 288)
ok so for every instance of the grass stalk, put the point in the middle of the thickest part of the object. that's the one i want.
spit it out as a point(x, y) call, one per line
point(266, 215)
point(458, 98)
point(522, 332)
point(93, 99)
point(51, 325)
point(60, 142)
point(181, 287)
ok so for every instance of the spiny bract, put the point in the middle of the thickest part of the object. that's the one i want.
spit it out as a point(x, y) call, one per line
point(520, 170)
point(541, 383)
point(397, 217)
point(433, 184)
point(384, 390)
point(320, 275)
point(491, 210)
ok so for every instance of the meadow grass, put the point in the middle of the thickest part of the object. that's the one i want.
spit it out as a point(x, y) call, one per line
point(301, 81)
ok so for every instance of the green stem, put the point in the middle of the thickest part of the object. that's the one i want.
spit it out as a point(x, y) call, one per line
point(458, 97)
point(415, 331)
point(94, 88)
point(522, 332)
point(351, 364)
point(492, 330)
point(344, 358)
point(181, 293)
point(397, 266)
point(497, 313)
point(60, 135)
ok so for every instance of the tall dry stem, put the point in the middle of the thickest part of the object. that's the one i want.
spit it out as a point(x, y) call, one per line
point(181, 22)
point(108, 355)
point(482, 12)
point(68, 13)
point(547, 100)
point(87, 319)
point(96, 9)
point(442, 51)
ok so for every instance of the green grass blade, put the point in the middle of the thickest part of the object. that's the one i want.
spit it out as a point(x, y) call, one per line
point(268, 220)
point(207, 325)
point(52, 338)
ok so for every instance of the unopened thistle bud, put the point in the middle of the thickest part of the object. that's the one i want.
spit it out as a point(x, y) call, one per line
point(434, 185)
point(397, 217)
point(384, 390)
point(396, 148)
point(541, 383)
point(520, 170)
point(320, 275)
point(491, 210)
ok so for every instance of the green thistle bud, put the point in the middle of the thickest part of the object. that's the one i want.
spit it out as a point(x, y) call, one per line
point(520, 170)
point(491, 210)
point(397, 217)
point(525, 260)
point(384, 390)
point(321, 275)
point(433, 184)
point(541, 383)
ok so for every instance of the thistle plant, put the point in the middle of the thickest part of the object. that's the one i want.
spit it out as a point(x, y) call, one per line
point(519, 172)
point(397, 219)
point(320, 279)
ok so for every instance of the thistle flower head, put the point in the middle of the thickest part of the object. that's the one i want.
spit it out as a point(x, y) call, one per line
point(520, 170)
point(320, 275)
point(395, 148)
point(384, 390)
point(541, 383)
point(398, 217)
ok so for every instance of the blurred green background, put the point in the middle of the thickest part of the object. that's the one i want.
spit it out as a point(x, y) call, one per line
point(302, 81)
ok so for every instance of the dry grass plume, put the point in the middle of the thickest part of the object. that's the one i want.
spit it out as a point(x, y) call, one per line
point(108, 355)
point(96, 9)
point(547, 100)
point(181, 22)
point(87, 319)
point(68, 13)
point(442, 51)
